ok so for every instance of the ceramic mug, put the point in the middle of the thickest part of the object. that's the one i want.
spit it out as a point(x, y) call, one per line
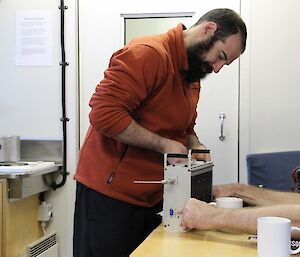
point(228, 202)
point(274, 237)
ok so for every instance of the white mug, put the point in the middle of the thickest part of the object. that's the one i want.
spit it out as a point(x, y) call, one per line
point(228, 202)
point(274, 237)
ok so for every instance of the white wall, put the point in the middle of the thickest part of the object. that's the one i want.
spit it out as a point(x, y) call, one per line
point(275, 75)
point(30, 104)
point(270, 79)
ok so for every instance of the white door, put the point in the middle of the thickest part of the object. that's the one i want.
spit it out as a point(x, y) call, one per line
point(217, 122)
point(219, 97)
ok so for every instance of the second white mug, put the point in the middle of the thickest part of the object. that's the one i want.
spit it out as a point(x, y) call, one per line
point(274, 237)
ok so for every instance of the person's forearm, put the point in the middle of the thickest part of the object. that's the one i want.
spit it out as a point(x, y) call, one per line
point(138, 136)
point(245, 220)
point(263, 197)
point(194, 143)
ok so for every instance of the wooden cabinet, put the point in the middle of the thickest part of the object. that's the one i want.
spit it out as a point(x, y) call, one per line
point(1, 219)
point(18, 223)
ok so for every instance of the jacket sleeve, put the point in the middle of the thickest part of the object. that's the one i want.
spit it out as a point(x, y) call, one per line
point(132, 74)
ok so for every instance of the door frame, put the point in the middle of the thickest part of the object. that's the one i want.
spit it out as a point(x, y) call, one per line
point(133, 15)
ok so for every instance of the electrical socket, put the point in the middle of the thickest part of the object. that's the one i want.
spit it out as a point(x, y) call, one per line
point(45, 211)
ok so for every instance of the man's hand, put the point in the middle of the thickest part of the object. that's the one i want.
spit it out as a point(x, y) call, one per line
point(227, 190)
point(198, 214)
point(201, 156)
point(171, 146)
point(193, 143)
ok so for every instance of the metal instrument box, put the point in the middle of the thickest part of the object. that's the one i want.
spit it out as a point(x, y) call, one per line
point(181, 182)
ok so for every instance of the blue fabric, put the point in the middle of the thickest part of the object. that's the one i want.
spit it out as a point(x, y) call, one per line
point(272, 170)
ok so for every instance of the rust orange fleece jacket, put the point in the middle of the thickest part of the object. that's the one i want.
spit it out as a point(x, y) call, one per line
point(143, 82)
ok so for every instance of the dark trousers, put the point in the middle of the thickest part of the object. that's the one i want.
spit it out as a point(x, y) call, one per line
point(105, 227)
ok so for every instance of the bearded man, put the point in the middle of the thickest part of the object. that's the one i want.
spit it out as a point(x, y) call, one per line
point(145, 106)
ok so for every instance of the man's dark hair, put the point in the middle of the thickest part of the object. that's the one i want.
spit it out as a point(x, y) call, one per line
point(228, 22)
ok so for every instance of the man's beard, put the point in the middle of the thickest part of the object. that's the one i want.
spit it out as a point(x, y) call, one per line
point(198, 69)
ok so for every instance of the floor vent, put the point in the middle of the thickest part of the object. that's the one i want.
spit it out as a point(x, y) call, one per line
point(46, 246)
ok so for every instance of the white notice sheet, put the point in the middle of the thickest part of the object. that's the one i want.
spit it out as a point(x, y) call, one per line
point(34, 38)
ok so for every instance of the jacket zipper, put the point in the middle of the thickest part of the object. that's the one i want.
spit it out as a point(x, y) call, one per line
point(112, 175)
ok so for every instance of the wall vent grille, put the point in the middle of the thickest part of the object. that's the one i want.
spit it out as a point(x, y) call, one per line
point(43, 246)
